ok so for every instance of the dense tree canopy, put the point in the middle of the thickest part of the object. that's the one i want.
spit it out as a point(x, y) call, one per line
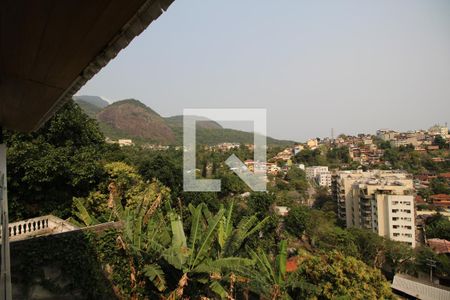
point(333, 275)
point(48, 167)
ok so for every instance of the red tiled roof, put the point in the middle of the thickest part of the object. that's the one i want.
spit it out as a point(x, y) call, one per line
point(291, 264)
point(439, 245)
point(440, 197)
point(419, 200)
point(445, 175)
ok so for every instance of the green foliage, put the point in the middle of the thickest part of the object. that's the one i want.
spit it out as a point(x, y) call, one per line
point(321, 230)
point(259, 203)
point(398, 255)
point(339, 155)
point(48, 167)
point(310, 157)
point(297, 220)
point(232, 184)
point(268, 277)
point(323, 201)
point(166, 169)
point(439, 186)
point(77, 255)
point(438, 226)
point(333, 276)
point(440, 141)
point(423, 254)
point(230, 238)
point(296, 179)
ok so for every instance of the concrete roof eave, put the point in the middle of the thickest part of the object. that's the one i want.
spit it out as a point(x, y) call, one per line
point(50, 49)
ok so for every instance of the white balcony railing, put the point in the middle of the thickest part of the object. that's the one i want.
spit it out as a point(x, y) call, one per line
point(39, 226)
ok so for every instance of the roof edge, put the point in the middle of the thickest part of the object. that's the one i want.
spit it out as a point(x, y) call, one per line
point(147, 13)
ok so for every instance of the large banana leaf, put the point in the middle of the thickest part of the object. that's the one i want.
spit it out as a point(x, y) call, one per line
point(217, 288)
point(281, 262)
point(223, 264)
point(196, 227)
point(207, 240)
point(156, 276)
point(245, 228)
point(83, 214)
point(225, 227)
point(178, 252)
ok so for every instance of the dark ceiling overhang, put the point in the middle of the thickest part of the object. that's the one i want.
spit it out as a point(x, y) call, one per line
point(50, 48)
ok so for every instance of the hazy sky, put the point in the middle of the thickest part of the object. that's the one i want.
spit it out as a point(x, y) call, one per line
point(354, 66)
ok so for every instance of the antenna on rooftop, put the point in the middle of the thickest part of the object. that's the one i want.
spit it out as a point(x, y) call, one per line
point(332, 133)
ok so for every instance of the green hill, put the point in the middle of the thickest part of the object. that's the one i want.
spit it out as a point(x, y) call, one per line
point(132, 119)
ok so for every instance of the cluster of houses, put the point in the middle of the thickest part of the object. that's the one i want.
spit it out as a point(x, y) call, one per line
point(441, 201)
point(120, 142)
point(258, 167)
point(422, 140)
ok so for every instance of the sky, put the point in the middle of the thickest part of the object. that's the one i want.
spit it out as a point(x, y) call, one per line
point(352, 65)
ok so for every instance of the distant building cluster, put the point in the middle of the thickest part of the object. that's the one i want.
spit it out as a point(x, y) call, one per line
point(258, 167)
point(223, 147)
point(420, 139)
point(379, 200)
point(120, 142)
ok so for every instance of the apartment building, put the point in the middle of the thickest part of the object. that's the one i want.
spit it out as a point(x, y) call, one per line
point(320, 174)
point(382, 201)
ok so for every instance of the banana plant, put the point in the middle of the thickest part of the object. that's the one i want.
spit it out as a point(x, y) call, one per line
point(194, 257)
point(142, 226)
point(268, 278)
point(232, 238)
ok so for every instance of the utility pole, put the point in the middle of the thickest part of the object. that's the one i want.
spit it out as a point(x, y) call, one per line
point(5, 276)
point(432, 264)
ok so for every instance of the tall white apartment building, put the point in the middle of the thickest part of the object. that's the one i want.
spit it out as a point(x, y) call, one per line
point(382, 201)
point(320, 174)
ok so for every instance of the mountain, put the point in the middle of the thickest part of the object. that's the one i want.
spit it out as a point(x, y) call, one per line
point(93, 100)
point(90, 109)
point(132, 119)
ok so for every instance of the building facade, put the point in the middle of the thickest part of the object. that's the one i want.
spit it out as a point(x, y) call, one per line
point(382, 201)
point(320, 174)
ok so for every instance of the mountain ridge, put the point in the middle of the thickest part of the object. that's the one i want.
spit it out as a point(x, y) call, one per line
point(130, 118)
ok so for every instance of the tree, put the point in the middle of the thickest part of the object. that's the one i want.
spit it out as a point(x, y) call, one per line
point(398, 255)
point(440, 141)
point(165, 169)
point(438, 226)
point(423, 254)
point(232, 184)
point(325, 235)
point(296, 179)
point(371, 246)
point(297, 220)
point(259, 203)
point(335, 276)
point(323, 201)
point(48, 167)
point(339, 154)
point(439, 186)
